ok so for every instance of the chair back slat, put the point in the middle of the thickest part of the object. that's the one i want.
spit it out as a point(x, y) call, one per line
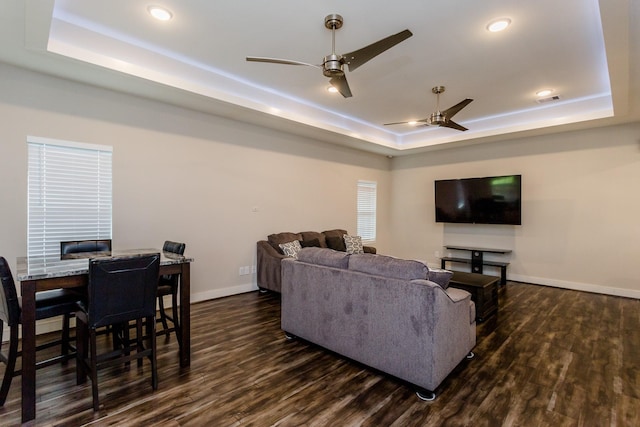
point(122, 289)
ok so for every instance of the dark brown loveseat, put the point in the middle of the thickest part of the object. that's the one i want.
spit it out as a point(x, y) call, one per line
point(269, 253)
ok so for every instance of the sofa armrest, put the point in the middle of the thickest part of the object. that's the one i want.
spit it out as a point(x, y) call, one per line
point(268, 266)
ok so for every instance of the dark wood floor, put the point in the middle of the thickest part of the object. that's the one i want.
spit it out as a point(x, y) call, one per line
point(550, 357)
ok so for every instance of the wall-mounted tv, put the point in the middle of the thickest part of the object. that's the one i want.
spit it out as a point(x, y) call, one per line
point(489, 200)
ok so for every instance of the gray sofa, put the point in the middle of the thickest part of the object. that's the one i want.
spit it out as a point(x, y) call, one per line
point(269, 254)
point(387, 313)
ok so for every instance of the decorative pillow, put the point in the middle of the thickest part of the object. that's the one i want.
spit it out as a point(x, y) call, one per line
point(336, 243)
point(440, 276)
point(291, 248)
point(324, 256)
point(353, 244)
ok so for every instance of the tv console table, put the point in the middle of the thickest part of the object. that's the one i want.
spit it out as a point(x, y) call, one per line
point(477, 260)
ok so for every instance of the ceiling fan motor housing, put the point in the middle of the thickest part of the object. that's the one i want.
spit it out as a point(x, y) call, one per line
point(332, 66)
point(436, 119)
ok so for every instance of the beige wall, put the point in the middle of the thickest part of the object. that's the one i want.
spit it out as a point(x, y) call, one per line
point(193, 177)
point(580, 208)
point(184, 175)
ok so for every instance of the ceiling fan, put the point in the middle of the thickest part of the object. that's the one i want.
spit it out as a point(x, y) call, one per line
point(440, 118)
point(333, 64)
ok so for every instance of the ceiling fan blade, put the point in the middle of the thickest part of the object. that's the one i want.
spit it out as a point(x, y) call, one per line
point(341, 84)
point(421, 121)
point(359, 57)
point(450, 112)
point(279, 61)
point(453, 125)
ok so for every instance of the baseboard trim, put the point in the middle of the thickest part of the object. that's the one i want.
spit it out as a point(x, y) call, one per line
point(223, 292)
point(576, 286)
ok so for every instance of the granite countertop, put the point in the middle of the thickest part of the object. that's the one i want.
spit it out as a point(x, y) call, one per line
point(35, 268)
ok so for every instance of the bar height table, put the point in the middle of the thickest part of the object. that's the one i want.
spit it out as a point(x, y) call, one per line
point(41, 274)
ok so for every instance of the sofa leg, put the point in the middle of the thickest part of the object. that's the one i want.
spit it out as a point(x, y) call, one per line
point(426, 395)
point(289, 336)
point(471, 355)
point(263, 290)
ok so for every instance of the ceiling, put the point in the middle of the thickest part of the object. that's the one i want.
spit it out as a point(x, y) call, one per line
point(586, 51)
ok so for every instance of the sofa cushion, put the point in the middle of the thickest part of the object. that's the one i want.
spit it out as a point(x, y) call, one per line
point(276, 239)
point(291, 248)
point(313, 243)
point(335, 239)
point(386, 266)
point(440, 276)
point(311, 236)
point(353, 244)
point(324, 256)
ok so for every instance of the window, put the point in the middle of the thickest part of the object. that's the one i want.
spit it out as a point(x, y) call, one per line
point(367, 210)
point(69, 194)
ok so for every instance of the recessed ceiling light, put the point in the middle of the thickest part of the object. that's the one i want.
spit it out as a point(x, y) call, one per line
point(160, 13)
point(498, 24)
point(332, 89)
point(544, 92)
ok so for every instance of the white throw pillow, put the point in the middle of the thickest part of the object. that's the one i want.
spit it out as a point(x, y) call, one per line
point(291, 248)
point(353, 244)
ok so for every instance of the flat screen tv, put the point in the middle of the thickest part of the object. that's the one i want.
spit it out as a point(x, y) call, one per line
point(489, 200)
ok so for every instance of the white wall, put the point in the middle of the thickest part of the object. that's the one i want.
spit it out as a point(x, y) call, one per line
point(580, 208)
point(184, 175)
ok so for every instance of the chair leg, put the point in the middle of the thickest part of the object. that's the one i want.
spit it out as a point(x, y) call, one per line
point(65, 335)
point(176, 316)
point(163, 317)
point(151, 333)
point(139, 338)
point(81, 351)
point(94, 370)
point(11, 362)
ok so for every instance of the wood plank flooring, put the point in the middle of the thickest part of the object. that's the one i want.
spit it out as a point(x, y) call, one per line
point(550, 357)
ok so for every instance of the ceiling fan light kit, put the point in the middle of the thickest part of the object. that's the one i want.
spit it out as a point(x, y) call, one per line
point(333, 64)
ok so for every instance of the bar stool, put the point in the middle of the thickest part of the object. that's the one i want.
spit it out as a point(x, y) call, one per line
point(59, 302)
point(168, 284)
point(120, 290)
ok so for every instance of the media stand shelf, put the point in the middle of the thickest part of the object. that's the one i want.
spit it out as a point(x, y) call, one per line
point(477, 260)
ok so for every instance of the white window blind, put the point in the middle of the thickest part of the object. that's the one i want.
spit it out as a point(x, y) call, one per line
point(367, 210)
point(69, 194)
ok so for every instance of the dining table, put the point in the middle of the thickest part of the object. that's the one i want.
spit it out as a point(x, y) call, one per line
point(37, 274)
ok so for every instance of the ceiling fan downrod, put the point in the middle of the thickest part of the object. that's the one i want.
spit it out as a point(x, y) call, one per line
point(437, 118)
point(332, 65)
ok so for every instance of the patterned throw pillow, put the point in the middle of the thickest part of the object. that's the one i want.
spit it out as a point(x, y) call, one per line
point(291, 248)
point(353, 244)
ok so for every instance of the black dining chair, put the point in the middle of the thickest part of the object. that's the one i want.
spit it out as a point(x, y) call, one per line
point(84, 248)
point(169, 284)
point(120, 290)
point(59, 302)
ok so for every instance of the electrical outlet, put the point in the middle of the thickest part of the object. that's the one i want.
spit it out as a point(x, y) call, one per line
point(253, 269)
point(437, 254)
point(244, 270)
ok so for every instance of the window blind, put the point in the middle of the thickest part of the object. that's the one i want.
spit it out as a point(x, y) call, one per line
point(367, 210)
point(69, 194)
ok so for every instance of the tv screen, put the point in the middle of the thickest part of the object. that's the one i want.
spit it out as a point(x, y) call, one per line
point(489, 200)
